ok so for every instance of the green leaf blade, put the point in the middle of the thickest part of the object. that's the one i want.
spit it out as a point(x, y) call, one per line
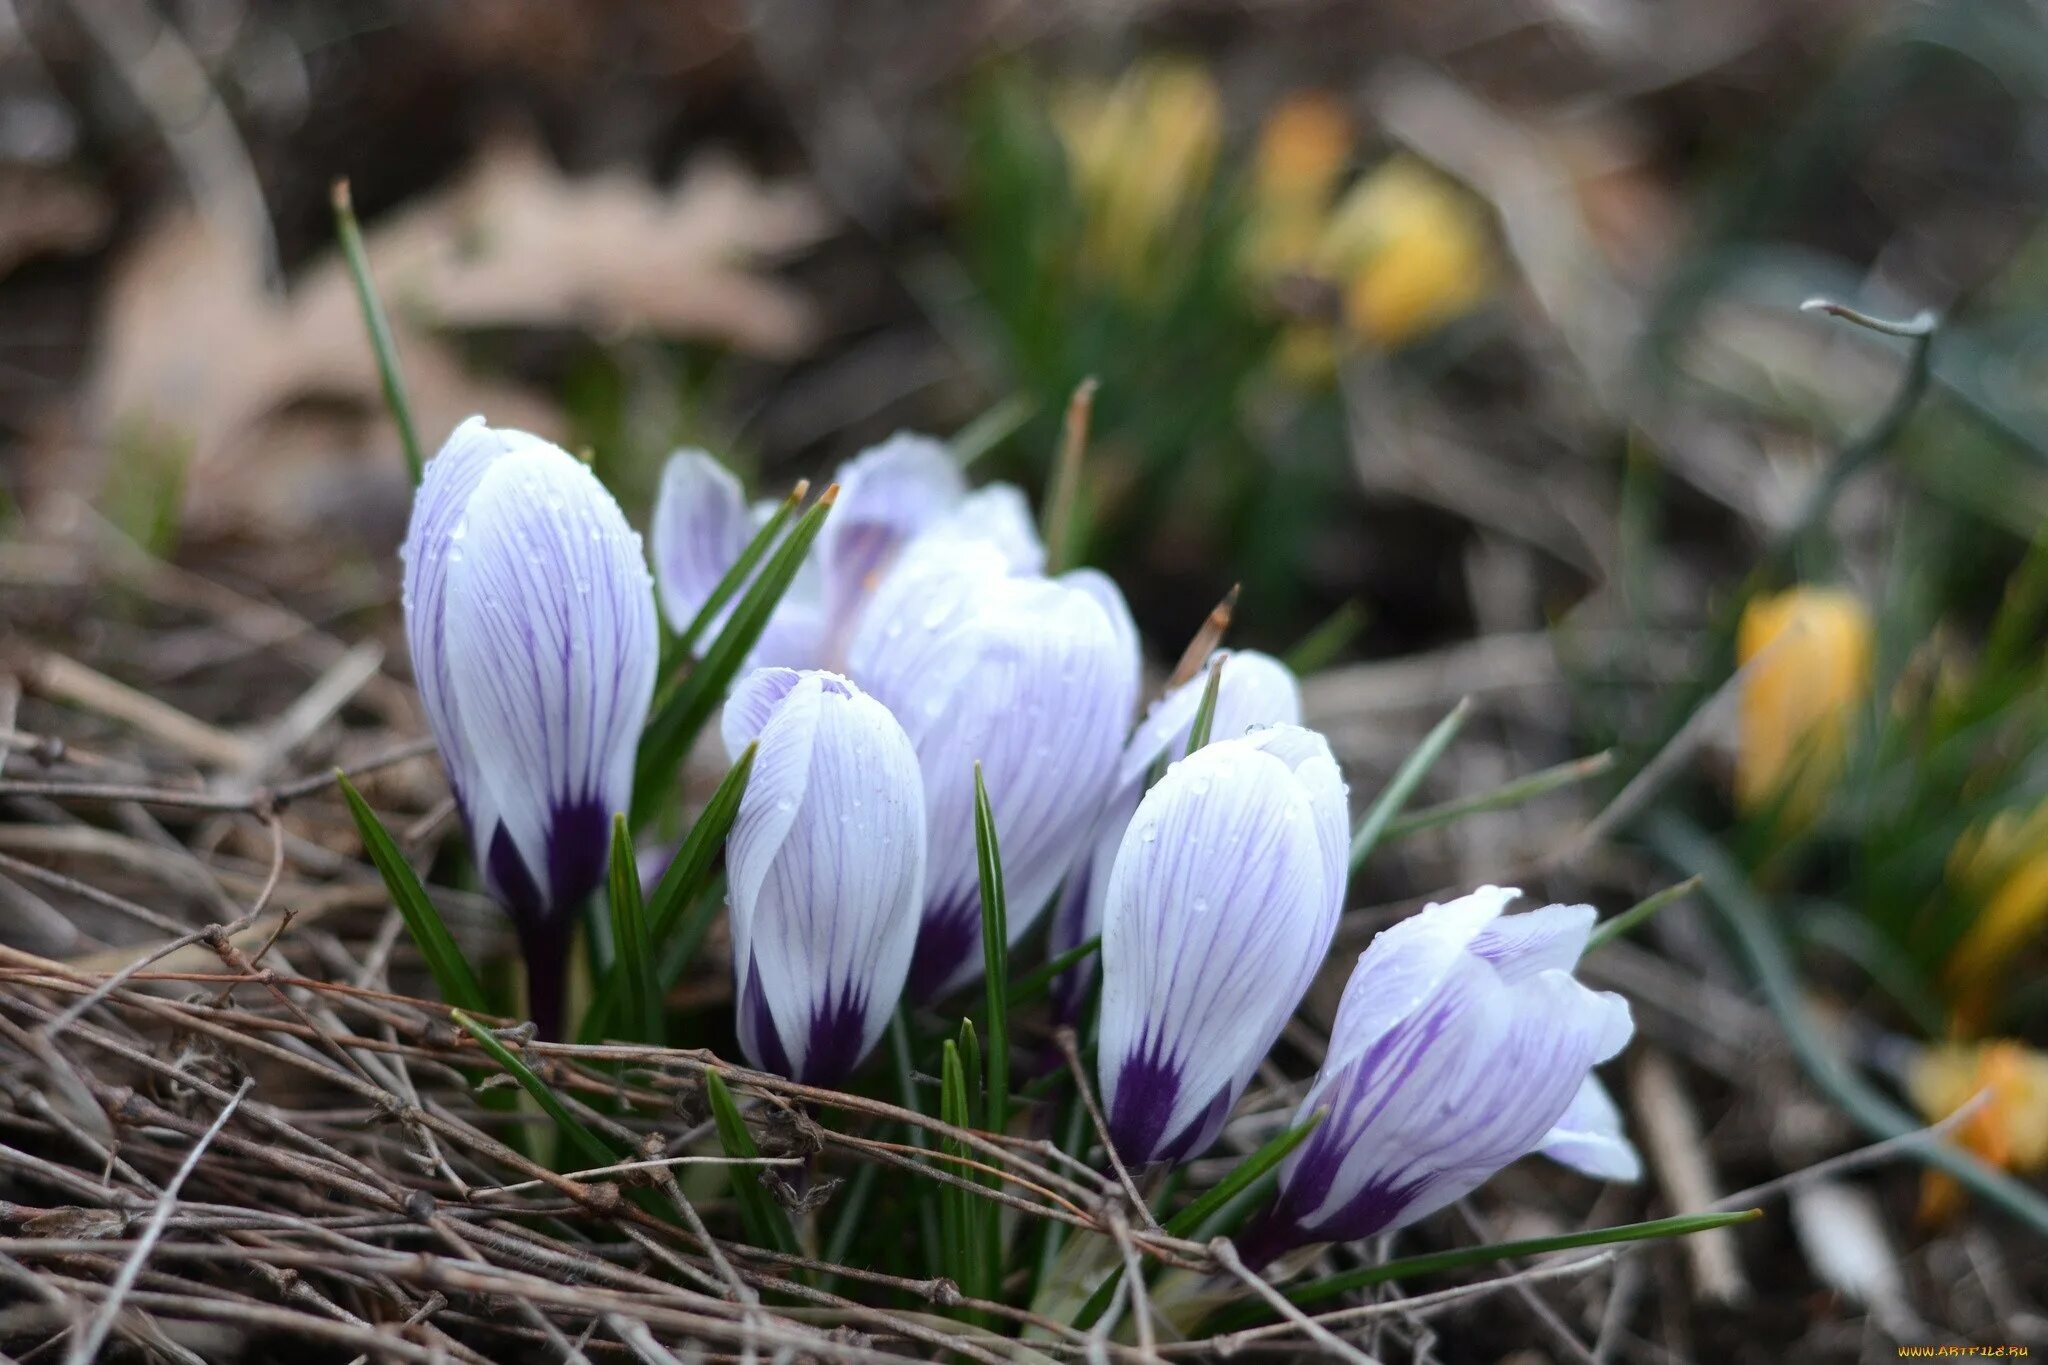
point(444, 959)
point(633, 971)
point(1406, 779)
point(995, 950)
point(765, 1223)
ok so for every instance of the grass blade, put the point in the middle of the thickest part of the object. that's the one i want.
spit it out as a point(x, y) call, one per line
point(1190, 1219)
point(1184, 1223)
point(995, 956)
point(1505, 796)
point(1636, 915)
point(957, 1206)
point(1406, 780)
point(1319, 648)
point(992, 428)
point(444, 959)
point(1205, 710)
point(593, 1148)
point(766, 1224)
point(683, 710)
point(1037, 982)
point(743, 567)
point(1061, 531)
point(381, 342)
point(689, 872)
point(1407, 1267)
point(633, 963)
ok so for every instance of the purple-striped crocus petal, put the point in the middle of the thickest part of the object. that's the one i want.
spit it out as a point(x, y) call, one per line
point(1030, 678)
point(701, 524)
point(998, 515)
point(1549, 939)
point(887, 495)
point(437, 508)
point(1256, 689)
point(1217, 916)
point(826, 867)
point(551, 643)
point(1588, 1137)
point(1443, 1068)
point(1307, 756)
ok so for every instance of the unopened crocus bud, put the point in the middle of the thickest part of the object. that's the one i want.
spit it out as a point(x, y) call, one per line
point(1463, 1042)
point(826, 864)
point(1806, 654)
point(533, 635)
point(1999, 870)
point(1220, 906)
point(1254, 690)
point(1033, 678)
point(890, 495)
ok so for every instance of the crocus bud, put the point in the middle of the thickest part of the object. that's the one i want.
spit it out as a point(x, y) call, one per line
point(1462, 1043)
point(1034, 678)
point(533, 635)
point(1806, 654)
point(890, 496)
point(1254, 690)
point(826, 864)
point(1998, 869)
point(1220, 906)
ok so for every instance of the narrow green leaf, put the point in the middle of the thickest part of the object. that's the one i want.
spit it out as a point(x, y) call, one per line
point(1640, 913)
point(633, 953)
point(992, 428)
point(381, 341)
point(1408, 1267)
point(594, 1148)
point(956, 1205)
point(444, 959)
point(1205, 710)
point(1406, 780)
point(969, 1044)
point(1189, 1219)
point(1038, 981)
point(682, 711)
point(765, 1222)
point(927, 1192)
point(690, 870)
point(1505, 796)
point(1061, 531)
point(742, 568)
point(1319, 648)
point(995, 955)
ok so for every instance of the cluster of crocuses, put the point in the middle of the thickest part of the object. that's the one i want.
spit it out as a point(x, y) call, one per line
point(923, 637)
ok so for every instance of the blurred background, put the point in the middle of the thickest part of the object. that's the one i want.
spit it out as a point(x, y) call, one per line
point(1465, 336)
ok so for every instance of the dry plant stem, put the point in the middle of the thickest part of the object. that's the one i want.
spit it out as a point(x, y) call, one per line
point(1227, 1257)
point(1071, 1050)
point(1678, 1154)
point(63, 679)
point(1207, 637)
point(85, 1347)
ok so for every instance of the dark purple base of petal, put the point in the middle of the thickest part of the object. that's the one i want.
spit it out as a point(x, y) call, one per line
point(834, 1044)
point(1267, 1238)
point(1279, 1229)
point(579, 844)
point(948, 938)
point(1146, 1089)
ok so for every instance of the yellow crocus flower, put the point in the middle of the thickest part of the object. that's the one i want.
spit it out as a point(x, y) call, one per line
point(2002, 869)
point(2009, 1129)
point(1303, 147)
point(1141, 152)
point(1410, 251)
point(1807, 656)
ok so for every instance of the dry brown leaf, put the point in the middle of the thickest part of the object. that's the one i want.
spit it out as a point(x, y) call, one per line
point(275, 401)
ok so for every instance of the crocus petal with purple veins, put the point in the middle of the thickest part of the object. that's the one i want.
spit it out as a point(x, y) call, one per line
point(1256, 690)
point(1029, 677)
point(887, 495)
point(701, 524)
point(998, 515)
point(1218, 913)
point(826, 867)
point(550, 651)
point(1589, 1138)
point(437, 510)
point(1458, 1048)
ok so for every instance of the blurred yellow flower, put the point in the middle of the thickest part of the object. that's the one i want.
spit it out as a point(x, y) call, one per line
point(1141, 152)
point(1807, 652)
point(1303, 147)
point(2009, 1128)
point(1410, 250)
point(2000, 869)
